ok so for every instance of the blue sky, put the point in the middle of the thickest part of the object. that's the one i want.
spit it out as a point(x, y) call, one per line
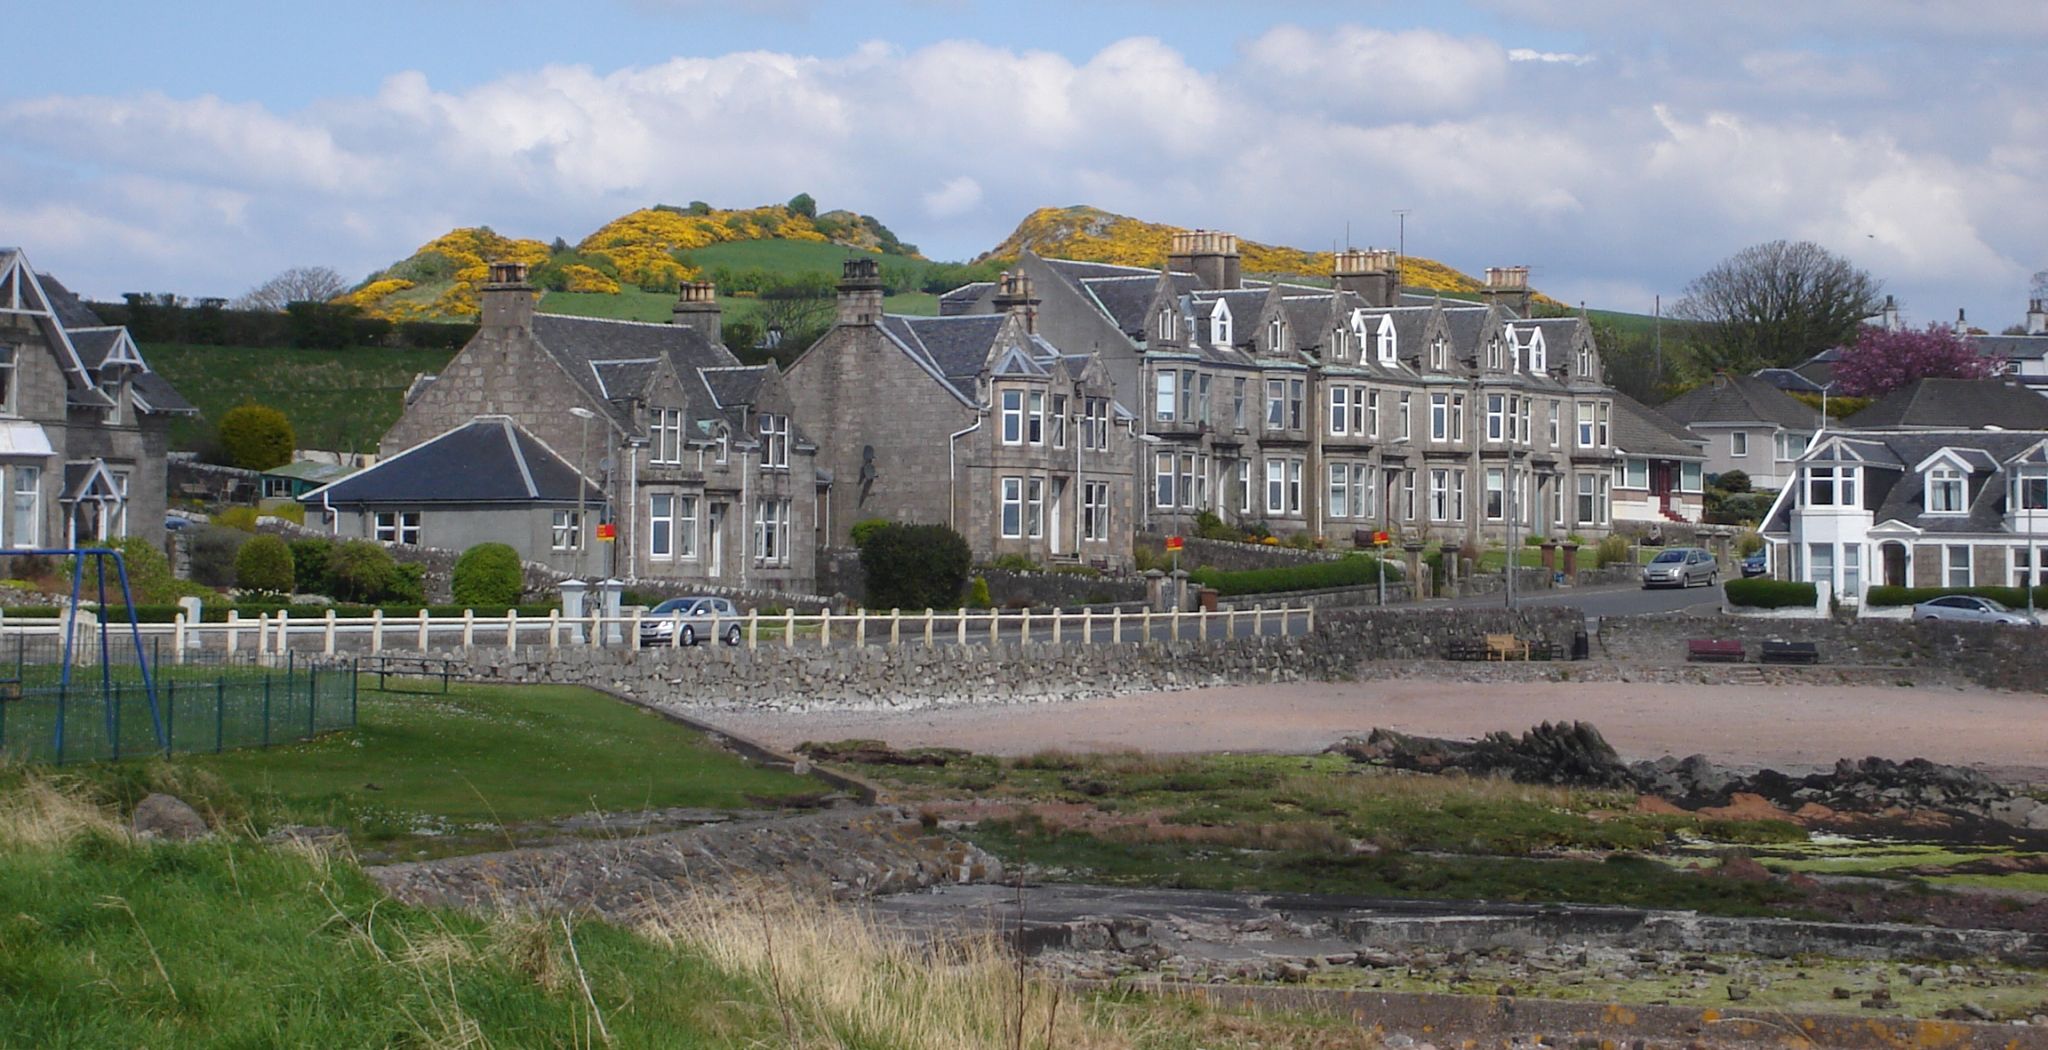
point(1617, 148)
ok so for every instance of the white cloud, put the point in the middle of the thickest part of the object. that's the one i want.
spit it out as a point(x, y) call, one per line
point(1627, 173)
point(956, 196)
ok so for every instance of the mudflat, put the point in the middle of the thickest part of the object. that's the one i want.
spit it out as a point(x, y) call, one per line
point(1794, 728)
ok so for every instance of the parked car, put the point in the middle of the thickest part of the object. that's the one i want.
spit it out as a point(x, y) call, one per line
point(699, 618)
point(1969, 608)
point(1681, 567)
point(1755, 565)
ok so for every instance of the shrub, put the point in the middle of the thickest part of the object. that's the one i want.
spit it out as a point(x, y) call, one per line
point(292, 512)
point(1732, 481)
point(363, 571)
point(1210, 527)
point(1748, 543)
point(2012, 597)
point(256, 437)
point(1014, 563)
point(1611, 550)
point(242, 518)
point(1769, 594)
point(213, 554)
point(309, 565)
point(914, 566)
point(978, 596)
point(150, 580)
point(866, 527)
point(1352, 570)
point(264, 564)
point(489, 574)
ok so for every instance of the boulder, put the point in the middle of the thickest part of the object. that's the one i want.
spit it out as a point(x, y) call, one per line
point(167, 817)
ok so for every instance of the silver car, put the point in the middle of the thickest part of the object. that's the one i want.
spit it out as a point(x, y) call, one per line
point(1969, 608)
point(1681, 567)
point(697, 618)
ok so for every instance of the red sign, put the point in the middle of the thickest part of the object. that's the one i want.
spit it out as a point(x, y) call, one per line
point(607, 531)
point(1173, 543)
point(1381, 538)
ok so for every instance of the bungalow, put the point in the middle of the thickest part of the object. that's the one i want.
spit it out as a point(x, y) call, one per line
point(1748, 425)
point(1658, 474)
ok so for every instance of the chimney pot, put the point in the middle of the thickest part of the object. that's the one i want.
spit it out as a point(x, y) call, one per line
point(860, 292)
point(506, 299)
point(697, 307)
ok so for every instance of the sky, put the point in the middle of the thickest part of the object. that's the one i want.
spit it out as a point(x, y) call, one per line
point(1616, 147)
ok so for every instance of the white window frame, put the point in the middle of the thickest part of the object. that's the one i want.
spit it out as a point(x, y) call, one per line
point(1496, 494)
point(774, 441)
point(1340, 490)
point(1949, 568)
point(1276, 406)
point(1166, 397)
point(565, 531)
point(1012, 401)
point(1056, 420)
point(1276, 486)
point(1372, 414)
point(1244, 486)
point(1439, 494)
point(1034, 419)
point(25, 507)
point(1691, 476)
point(1034, 506)
point(1294, 486)
point(1948, 491)
point(1496, 418)
point(1585, 435)
point(1095, 512)
point(1738, 443)
point(1340, 410)
point(771, 532)
point(397, 526)
point(1439, 417)
point(686, 528)
point(1162, 480)
point(1637, 471)
point(661, 526)
point(1012, 498)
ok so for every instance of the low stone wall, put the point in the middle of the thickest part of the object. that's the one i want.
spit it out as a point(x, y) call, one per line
point(914, 676)
point(1236, 557)
point(2001, 657)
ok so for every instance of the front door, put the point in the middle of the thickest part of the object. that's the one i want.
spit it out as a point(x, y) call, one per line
point(1660, 483)
point(1894, 564)
point(717, 521)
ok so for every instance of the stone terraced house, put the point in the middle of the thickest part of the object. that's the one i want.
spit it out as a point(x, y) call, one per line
point(706, 478)
point(84, 422)
point(1342, 409)
point(984, 422)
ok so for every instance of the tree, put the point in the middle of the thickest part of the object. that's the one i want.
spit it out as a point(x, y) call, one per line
point(914, 566)
point(803, 205)
point(1773, 306)
point(1879, 362)
point(264, 564)
point(1631, 364)
point(256, 437)
point(489, 574)
point(300, 284)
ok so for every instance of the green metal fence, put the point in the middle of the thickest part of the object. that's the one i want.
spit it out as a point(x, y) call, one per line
point(202, 709)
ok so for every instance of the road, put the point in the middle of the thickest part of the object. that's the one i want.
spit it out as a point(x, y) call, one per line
point(1614, 600)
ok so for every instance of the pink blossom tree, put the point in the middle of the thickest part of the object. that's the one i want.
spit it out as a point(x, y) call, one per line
point(1879, 362)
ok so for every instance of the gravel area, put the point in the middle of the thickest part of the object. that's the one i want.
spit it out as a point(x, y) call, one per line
point(1792, 728)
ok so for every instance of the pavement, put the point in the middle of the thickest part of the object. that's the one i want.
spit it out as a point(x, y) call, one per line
point(1621, 599)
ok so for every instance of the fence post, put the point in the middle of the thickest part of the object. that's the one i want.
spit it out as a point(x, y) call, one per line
point(376, 630)
point(468, 630)
point(327, 648)
point(1087, 625)
point(789, 628)
point(234, 630)
point(960, 626)
point(178, 637)
point(1116, 625)
point(995, 629)
point(638, 615)
point(511, 630)
point(824, 627)
point(929, 616)
point(554, 628)
point(1311, 625)
point(895, 627)
point(1259, 619)
point(1148, 624)
point(860, 627)
point(282, 635)
point(1024, 626)
point(1176, 623)
point(423, 630)
point(220, 713)
point(262, 635)
point(1230, 623)
point(1056, 617)
point(753, 629)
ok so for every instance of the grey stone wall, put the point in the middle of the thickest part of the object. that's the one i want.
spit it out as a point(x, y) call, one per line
point(913, 676)
point(1237, 557)
point(2000, 657)
point(840, 573)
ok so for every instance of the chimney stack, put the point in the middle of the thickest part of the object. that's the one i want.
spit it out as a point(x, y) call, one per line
point(1013, 296)
point(1373, 274)
point(1508, 286)
point(2037, 317)
point(1208, 254)
point(506, 297)
point(697, 307)
point(860, 292)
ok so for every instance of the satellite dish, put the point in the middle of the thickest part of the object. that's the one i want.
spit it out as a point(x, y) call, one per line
point(605, 464)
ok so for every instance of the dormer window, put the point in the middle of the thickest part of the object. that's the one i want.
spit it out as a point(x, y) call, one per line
point(1539, 357)
point(1389, 346)
point(1585, 370)
point(1340, 344)
point(1945, 491)
point(774, 441)
point(668, 435)
point(1219, 325)
point(1831, 487)
point(7, 358)
point(1439, 355)
point(1493, 353)
point(1168, 326)
point(2030, 491)
point(1276, 336)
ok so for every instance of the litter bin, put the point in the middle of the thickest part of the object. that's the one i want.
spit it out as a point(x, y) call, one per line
point(1207, 598)
point(1582, 647)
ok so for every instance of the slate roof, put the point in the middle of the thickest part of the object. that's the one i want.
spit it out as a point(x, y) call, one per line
point(310, 470)
point(1958, 403)
point(580, 342)
point(952, 348)
point(1788, 380)
point(487, 460)
point(70, 309)
point(734, 386)
point(1075, 270)
point(2011, 347)
point(1894, 489)
point(616, 379)
point(1640, 430)
point(1124, 299)
point(1740, 399)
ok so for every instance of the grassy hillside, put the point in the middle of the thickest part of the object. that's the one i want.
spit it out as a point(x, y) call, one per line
point(648, 250)
point(336, 399)
point(1094, 235)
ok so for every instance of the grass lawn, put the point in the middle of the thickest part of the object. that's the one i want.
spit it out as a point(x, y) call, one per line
point(336, 399)
point(423, 772)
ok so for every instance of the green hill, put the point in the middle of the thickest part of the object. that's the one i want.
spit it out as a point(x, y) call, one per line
point(342, 400)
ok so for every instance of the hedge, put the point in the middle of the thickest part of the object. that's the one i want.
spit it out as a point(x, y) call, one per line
point(2011, 597)
point(1770, 594)
point(1352, 570)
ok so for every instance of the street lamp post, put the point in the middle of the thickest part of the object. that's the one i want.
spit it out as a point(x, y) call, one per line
point(582, 492)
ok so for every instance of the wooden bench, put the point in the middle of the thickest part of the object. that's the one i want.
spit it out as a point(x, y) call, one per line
point(1714, 650)
point(384, 666)
point(1506, 647)
point(1776, 651)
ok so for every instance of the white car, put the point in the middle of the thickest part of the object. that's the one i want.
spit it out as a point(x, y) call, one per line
point(698, 619)
point(1968, 608)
